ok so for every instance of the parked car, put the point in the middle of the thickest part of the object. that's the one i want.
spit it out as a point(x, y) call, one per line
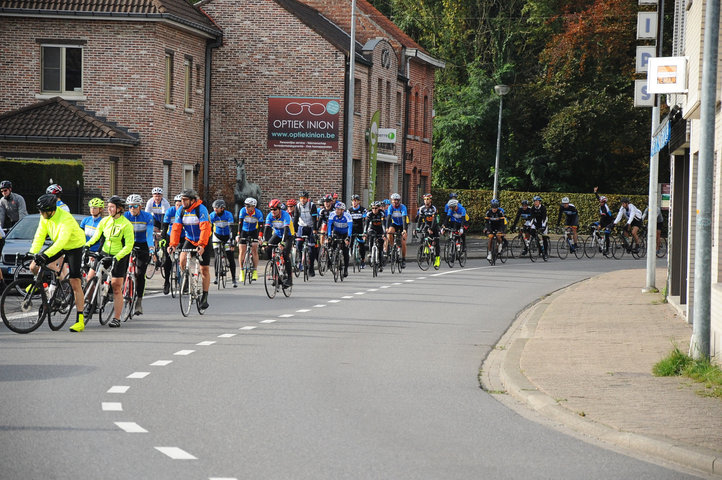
point(18, 242)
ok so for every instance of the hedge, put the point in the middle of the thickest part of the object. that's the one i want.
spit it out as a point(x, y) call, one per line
point(477, 203)
point(30, 178)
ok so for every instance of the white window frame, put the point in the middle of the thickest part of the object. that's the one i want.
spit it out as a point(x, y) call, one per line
point(188, 175)
point(62, 90)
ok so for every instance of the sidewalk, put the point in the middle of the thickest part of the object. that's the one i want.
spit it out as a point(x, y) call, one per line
point(583, 357)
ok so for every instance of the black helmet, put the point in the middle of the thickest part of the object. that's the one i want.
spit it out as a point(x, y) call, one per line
point(117, 201)
point(303, 194)
point(220, 203)
point(453, 195)
point(625, 200)
point(356, 197)
point(525, 202)
point(189, 193)
point(6, 184)
point(47, 203)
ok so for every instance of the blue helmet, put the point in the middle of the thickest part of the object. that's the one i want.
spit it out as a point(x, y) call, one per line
point(537, 197)
point(495, 203)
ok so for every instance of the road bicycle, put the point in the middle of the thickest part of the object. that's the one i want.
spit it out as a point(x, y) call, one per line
point(595, 242)
point(565, 245)
point(375, 255)
point(191, 283)
point(426, 253)
point(247, 261)
point(537, 247)
point(395, 255)
point(306, 257)
point(295, 264)
point(337, 265)
point(356, 259)
point(499, 251)
point(130, 293)
point(220, 264)
point(455, 249)
point(621, 245)
point(323, 258)
point(661, 252)
point(175, 275)
point(45, 296)
point(156, 260)
point(98, 291)
point(275, 274)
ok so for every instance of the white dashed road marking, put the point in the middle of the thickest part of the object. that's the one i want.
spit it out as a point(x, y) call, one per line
point(360, 293)
point(131, 427)
point(286, 315)
point(372, 290)
point(334, 301)
point(320, 305)
point(408, 280)
point(248, 327)
point(385, 286)
point(206, 343)
point(227, 335)
point(347, 296)
point(420, 278)
point(118, 389)
point(268, 321)
point(138, 375)
point(397, 283)
point(184, 352)
point(112, 406)
point(176, 453)
point(303, 310)
point(161, 363)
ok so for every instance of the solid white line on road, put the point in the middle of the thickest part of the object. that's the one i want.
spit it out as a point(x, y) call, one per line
point(227, 335)
point(286, 315)
point(118, 389)
point(408, 280)
point(360, 293)
point(184, 352)
point(372, 290)
point(176, 453)
point(248, 327)
point(268, 321)
point(321, 305)
point(161, 363)
point(385, 286)
point(397, 283)
point(112, 406)
point(206, 343)
point(131, 427)
point(138, 375)
point(334, 301)
point(303, 310)
point(347, 296)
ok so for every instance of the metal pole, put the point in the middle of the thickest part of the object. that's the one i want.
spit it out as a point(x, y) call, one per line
point(350, 100)
point(700, 343)
point(652, 208)
point(498, 148)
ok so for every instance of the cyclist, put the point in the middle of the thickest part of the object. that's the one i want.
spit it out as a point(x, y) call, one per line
point(2, 244)
point(571, 218)
point(539, 222)
point(427, 219)
point(374, 227)
point(634, 220)
point(118, 241)
point(168, 220)
point(193, 220)
point(90, 224)
point(495, 224)
point(221, 220)
point(279, 229)
point(358, 214)
point(305, 217)
point(157, 205)
point(340, 226)
point(291, 206)
point(397, 221)
point(606, 218)
point(68, 240)
point(457, 220)
point(12, 206)
point(250, 220)
point(524, 212)
point(56, 190)
point(452, 196)
point(144, 245)
point(323, 215)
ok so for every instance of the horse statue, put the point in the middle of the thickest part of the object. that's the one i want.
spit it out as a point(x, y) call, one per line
point(244, 188)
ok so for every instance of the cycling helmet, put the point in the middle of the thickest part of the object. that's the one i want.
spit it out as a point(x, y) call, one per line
point(495, 203)
point(134, 199)
point(428, 195)
point(96, 203)
point(625, 200)
point(335, 196)
point(6, 184)
point(189, 193)
point(291, 202)
point(376, 204)
point(395, 196)
point(327, 198)
point(603, 199)
point(453, 203)
point(303, 194)
point(117, 201)
point(157, 190)
point(251, 202)
point(453, 195)
point(356, 197)
point(275, 203)
point(54, 189)
point(525, 202)
point(340, 205)
point(537, 197)
point(565, 200)
point(178, 198)
point(387, 201)
point(47, 203)
point(220, 203)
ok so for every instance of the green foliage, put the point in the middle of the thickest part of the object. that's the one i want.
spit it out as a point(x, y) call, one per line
point(701, 371)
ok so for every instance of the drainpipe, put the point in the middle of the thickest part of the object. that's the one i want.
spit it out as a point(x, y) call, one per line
point(407, 109)
point(210, 45)
point(349, 112)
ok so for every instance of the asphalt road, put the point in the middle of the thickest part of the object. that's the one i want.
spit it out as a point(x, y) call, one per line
point(371, 378)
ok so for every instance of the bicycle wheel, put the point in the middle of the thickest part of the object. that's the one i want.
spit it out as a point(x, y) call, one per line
point(295, 264)
point(591, 246)
point(374, 260)
point(450, 252)
point(492, 251)
point(224, 271)
point(128, 299)
point(184, 293)
point(91, 300)
point(517, 246)
point(322, 260)
point(22, 313)
point(617, 247)
point(334, 265)
point(504, 254)
point(562, 248)
point(423, 256)
point(107, 305)
point(196, 286)
point(150, 270)
point(394, 254)
point(271, 278)
point(23, 276)
point(544, 248)
point(61, 304)
point(461, 255)
point(639, 250)
point(662, 250)
point(161, 253)
point(174, 278)
point(339, 263)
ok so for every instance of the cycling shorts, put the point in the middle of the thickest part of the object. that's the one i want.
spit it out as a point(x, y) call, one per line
point(397, 228)
point(74, 259)
point(249, 234)
point(205, 259)
point(572, 221)
point(120, 268)
point(637, 223)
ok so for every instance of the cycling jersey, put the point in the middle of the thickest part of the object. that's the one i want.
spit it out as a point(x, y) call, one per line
point(524, 214)
point(157, 210)
point(458, 216)
point(631, 213)
point(323, 215)
point(305, 215)
point(340, 225)
point(570, 211)
point(62, 205)
point(282, 226)
point(168, 220)
point(375, 221)
point(221, 224)
point(428, 216)
point(119, 236)
point(357, 215)
point(142, 226)
point(250, 221)
point(495, 221)
point(539, 218)
point(397, 216)
point(447, 209)
point(63, 230)
point(12, 209)
point(90, 226)
point(194, 222)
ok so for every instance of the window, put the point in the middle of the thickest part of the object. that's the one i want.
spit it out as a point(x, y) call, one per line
point(357, 176)
point(356, 95)
point(388, 104)
point(166, 177)
point(380, 98)
point(188, 78)
point(168, 78)
point(416, 114)
point(114, 175)
point(62, 69)
point(426, 117)
point(188, 179)
point(398, 108)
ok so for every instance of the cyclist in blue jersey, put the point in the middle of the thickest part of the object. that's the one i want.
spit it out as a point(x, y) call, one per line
point(358, 215)
point(90, 224)
point(397, 221)
point(250, 221)
point(144, 247)
point(157, 206)
point(305, 218)
point(193, 220)
point(340, 226)
point(221, 220)
point(168, 220)
point(56, 190)
point(452, 196)
point(457, 220)
point(279, 229)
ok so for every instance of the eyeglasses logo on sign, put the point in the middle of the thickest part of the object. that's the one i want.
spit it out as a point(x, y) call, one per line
point(303, 123)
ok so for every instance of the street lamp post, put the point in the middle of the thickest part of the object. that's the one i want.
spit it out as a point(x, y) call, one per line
point(500, 90)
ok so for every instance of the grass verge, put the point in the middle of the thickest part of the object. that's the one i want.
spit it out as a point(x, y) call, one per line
point(701, 371)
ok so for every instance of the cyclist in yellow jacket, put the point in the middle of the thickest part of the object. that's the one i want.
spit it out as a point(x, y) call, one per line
point(119, 240)
point(68, 239)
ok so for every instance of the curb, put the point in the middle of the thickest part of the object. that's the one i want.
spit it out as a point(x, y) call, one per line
point(501, 373)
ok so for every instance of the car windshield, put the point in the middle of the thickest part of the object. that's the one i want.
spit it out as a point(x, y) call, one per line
point(25, 228)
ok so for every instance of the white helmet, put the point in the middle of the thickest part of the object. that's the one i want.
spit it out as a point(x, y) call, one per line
point(157, 190)
point(178, 198)
point(134, 199)
point(453, 203)
point(251, 201)
point(395, 196)
point(565, 200)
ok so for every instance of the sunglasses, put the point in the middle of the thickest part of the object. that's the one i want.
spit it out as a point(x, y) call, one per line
point(275, 209)
point(5, 190)
point(133, 206)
